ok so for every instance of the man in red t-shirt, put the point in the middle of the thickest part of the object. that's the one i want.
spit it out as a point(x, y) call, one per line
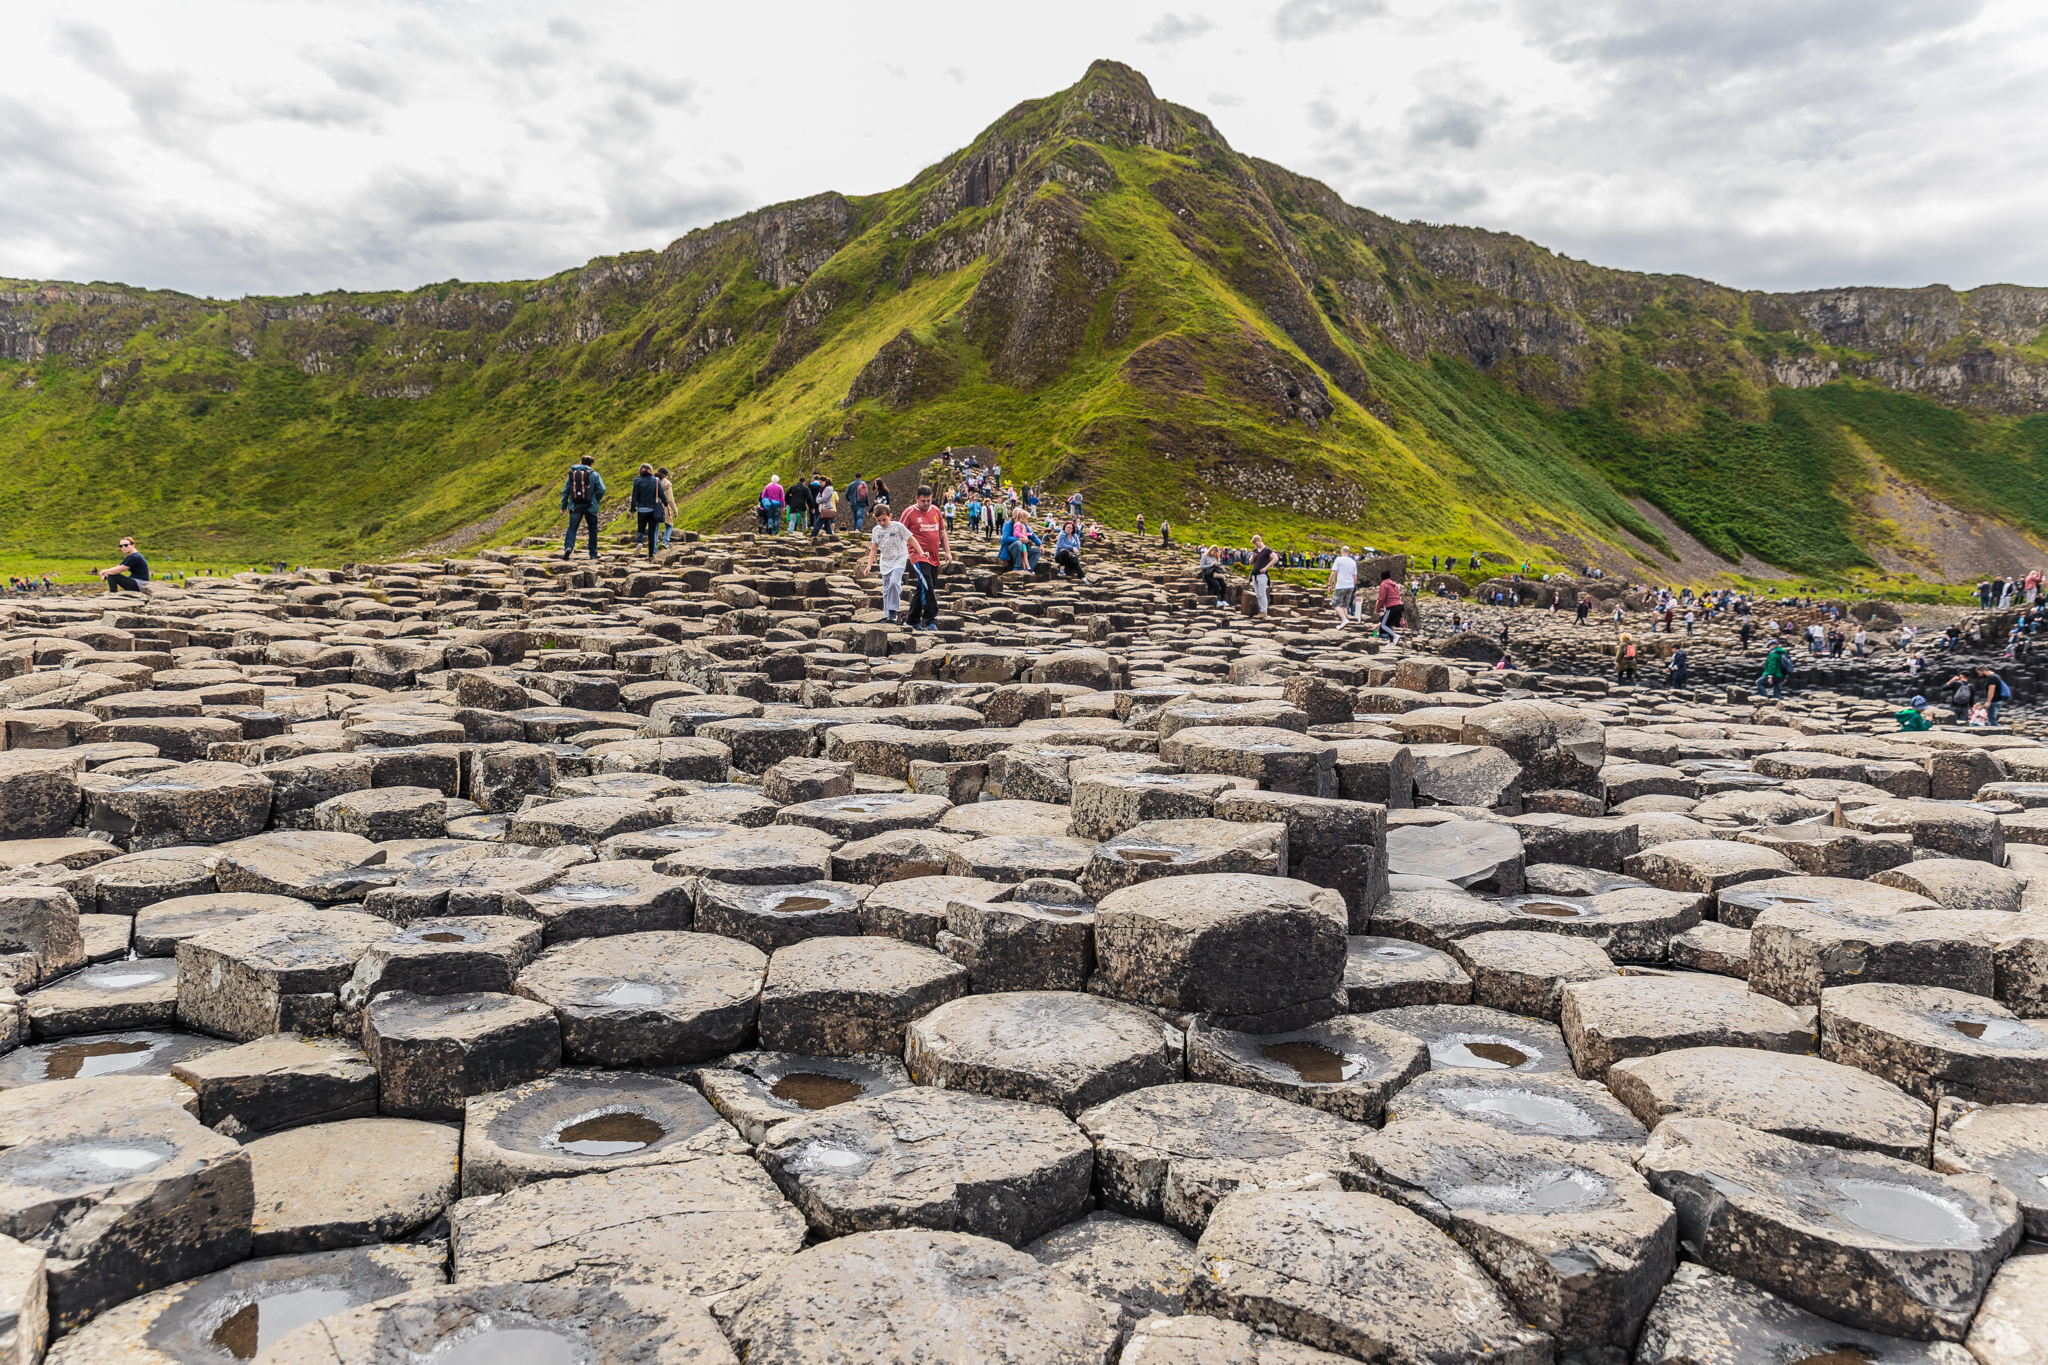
point(929, 549)
point(1390, 606)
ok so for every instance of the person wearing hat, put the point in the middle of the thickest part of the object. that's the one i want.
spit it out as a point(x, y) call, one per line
point(1914, 717)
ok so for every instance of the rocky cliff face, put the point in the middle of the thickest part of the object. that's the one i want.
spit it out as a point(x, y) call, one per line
point(1099, 278)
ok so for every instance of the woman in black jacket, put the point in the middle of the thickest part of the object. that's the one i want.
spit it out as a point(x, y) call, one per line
point(647, 506)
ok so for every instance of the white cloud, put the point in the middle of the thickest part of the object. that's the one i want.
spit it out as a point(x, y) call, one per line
point(1171, 29)
point(225, 146)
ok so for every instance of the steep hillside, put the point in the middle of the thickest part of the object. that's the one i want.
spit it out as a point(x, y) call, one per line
point(1100, 287)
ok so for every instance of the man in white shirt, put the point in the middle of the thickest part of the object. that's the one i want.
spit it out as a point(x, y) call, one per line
point(1343, 584)
point(891, 540)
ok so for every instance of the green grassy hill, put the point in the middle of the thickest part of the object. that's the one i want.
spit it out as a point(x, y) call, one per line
point(1097, 286)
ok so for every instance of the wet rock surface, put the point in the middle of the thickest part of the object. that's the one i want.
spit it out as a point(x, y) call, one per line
point(1865, 1240)
point(1072, 924)
point(934, 1159)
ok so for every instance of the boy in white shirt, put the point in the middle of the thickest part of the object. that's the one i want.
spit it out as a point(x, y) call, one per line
point(1343, 584)
point(891, 540)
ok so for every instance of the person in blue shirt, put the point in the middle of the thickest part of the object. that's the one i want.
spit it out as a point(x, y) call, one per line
point(1020, 544)
point(582, 490)
point(1066, 552)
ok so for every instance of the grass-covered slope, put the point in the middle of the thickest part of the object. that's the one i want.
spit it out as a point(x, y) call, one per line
point(1098, 287)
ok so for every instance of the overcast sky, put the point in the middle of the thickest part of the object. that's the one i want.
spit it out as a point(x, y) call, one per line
point(273, 146)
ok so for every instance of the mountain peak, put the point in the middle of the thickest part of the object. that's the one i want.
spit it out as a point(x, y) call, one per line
point(1114, 103)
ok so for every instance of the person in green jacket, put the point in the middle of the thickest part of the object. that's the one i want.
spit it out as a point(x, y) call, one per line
point(1777, 668)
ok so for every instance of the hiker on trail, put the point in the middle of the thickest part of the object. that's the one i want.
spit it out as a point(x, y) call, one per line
point(127, 576)
point(668, 504)
point(857, 501)
point(1747, 631)
point(771, 505)
point(582, 490)
point(1390, 607)
point(1625, 658)
point(828, 508)
point(1777, 668)
point(1343, 585)
point(891, 542)
point(880, 496)
point(1679, 669)
point(1066, 551)
point(798, 505)
point(1211, 572)
point(646, 506)
point(1165, 534)
point(929, 552)
point(1262, 561)
point(1141, 523)
point(1585, 608)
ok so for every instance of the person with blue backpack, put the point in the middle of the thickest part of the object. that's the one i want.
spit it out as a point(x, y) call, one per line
point(582, 490)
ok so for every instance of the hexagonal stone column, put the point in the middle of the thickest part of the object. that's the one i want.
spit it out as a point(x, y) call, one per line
point(1347, 1066)
point(901, 1296)
point(273, 973)
point(1863, 1239)
point(1301, 1258)
point(655, 999)
point(835, 997)
point(1258, 953)
point(1057, 1048)
point(1933, 1043)
point(432, 1052)
point(1798, 1097)
point(935, 1159)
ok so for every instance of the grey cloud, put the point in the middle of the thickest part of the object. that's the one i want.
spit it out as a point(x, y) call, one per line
point(1454, 123)
point(1170, 29)
point(1734, 34)
point(1223, 99)
point(162, 100)
point(1300, 19)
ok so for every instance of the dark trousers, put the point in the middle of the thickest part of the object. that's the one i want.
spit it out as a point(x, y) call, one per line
point(1069, 562)
point(925, 609)
point(586, 514)
point(120, 582)
point(1212, 579)
point(648, 530)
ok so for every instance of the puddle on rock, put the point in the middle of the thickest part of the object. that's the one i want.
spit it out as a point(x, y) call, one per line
point(631, 993)
point(1550, 909)
point(610, 1134)
point(1393, 954)
point(125, 980)
point(1995, 1032)
point(809, 1090)
point(251, 1330)
point(1060, 911)
point(790, 905)
point(1313, 1063)
point(508, 1346)
point(1478, 1052)
point(1540, 1112)
point(442, 936)
point(1900, 1212)
point(83, 1061)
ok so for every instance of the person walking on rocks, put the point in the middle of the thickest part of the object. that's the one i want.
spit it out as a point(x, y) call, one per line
point(1262, 562)
point(828, 510)
point(646, 506)
point(929, 552)
point(1679, 669)
point(1389, 603)
point(1625, 658)
point(1343, 585)
point(891, 542)
point(133, 570)
point(668, 505)
point(1585, 608)
point(771, 505)
point(1777, 668)
point(582, 491)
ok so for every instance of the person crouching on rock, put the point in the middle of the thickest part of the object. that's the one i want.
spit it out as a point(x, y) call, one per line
point(131, 573)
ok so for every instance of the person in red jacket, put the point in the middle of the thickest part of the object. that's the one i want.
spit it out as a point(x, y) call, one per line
point(1390, 606)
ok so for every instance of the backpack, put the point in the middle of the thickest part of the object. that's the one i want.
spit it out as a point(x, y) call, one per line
point(579, 483)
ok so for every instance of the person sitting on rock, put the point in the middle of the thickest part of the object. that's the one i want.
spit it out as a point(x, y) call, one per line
point(1066, 551)
point(1021, 544)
